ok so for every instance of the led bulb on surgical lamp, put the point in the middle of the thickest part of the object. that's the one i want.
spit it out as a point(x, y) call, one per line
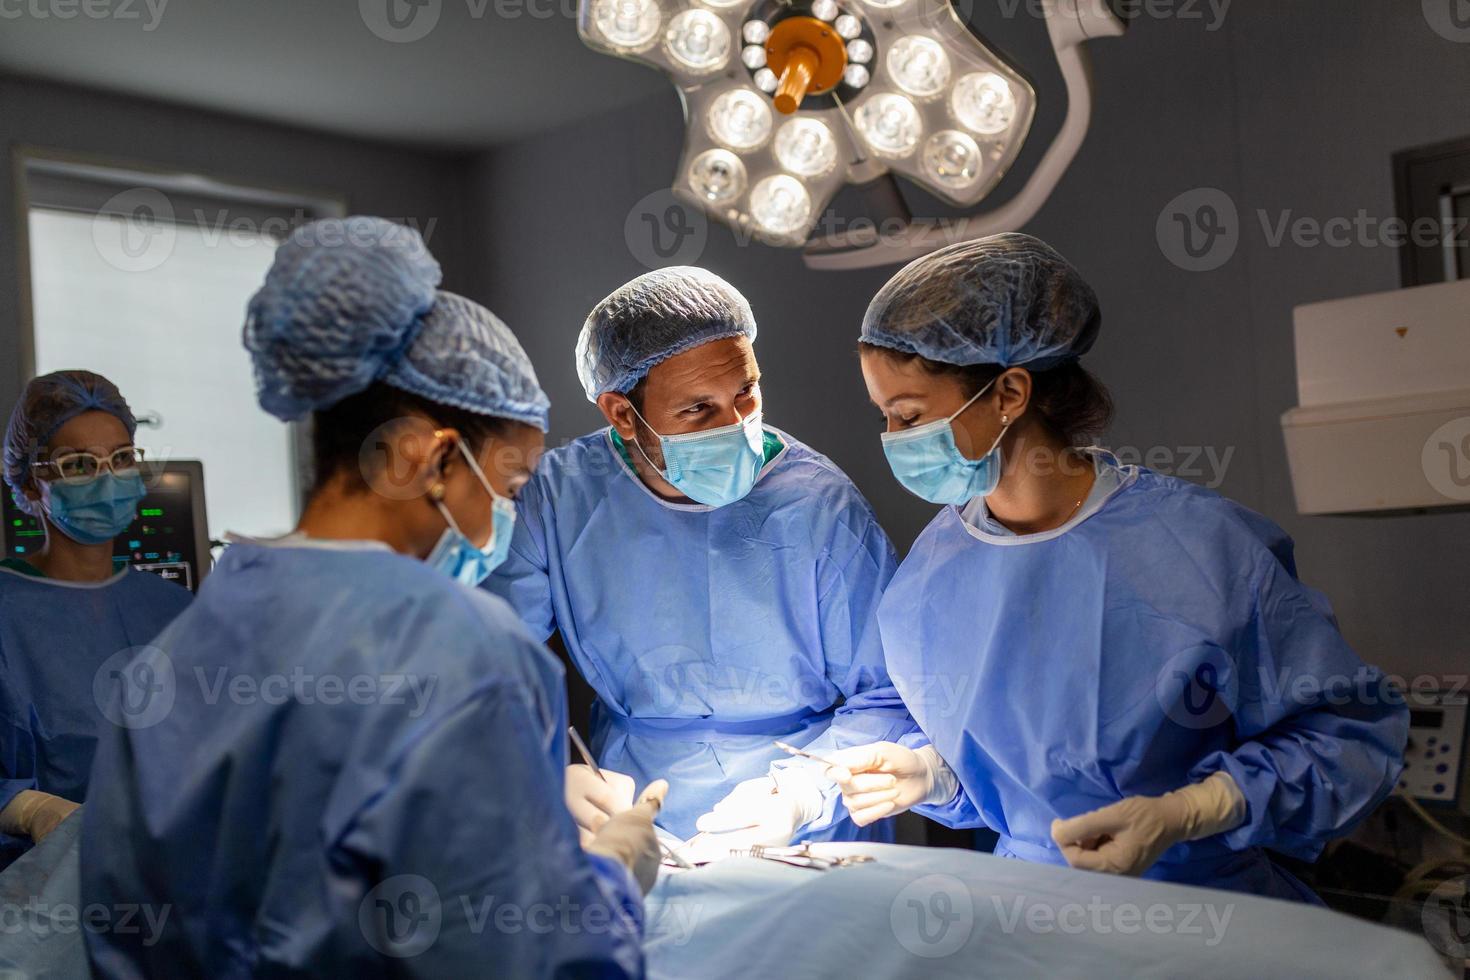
point(952, 159)
point(780, 205)
point(698, 41)
point(717, 176)
point(629, 24)
point(889, 124)
point(983, 103)
point(740, 119)
point(918, 65)
point(806, 147)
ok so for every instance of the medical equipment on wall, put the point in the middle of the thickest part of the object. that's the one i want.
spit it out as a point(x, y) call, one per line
point(787, 100)
point(1383, 420)
point(1434, 758)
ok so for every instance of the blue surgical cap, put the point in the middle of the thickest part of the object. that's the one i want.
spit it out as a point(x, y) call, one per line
point(1009, 300)
point(352, 301)
point(649, 320)
point(48, 403)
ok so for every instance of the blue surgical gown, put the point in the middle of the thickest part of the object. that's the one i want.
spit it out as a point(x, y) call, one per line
point(54, 638)
point(1159, 637)
point(354, 755)
point(709, 632)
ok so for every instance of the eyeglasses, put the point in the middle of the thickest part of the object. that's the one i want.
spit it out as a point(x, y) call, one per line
point(81, 467)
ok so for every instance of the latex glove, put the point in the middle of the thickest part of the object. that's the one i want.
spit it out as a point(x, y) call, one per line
point(1127, 837)
point(629, 837)
point(884, 778)
point(592, 800)
point(766, 810)
point(33, 814)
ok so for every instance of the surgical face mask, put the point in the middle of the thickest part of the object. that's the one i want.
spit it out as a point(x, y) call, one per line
point(97, 510)
point(458, 557)
point(714, 467)
point(927, 462)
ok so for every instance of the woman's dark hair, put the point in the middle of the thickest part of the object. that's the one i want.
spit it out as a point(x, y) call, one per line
point(1068, 398)
point(339, 432)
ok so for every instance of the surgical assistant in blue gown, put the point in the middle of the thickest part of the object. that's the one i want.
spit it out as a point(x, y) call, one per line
point(394, 741)
point(709, 632)
point(55, 637)
point(1158, 637)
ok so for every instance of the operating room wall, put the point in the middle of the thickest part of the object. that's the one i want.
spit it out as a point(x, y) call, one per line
point(374, 178)
point(1290, 109)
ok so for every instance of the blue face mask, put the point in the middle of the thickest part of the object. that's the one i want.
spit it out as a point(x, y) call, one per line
point(927, 462)
point(97, 510)
point(455, 555)
point(714, 467)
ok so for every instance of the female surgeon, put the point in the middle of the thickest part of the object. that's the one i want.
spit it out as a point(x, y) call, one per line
point(66, 609)
point(343, 759)
point(1141, 685)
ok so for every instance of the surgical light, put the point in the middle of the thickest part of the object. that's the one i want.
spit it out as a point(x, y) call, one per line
point(866, 90)
point(698, 41)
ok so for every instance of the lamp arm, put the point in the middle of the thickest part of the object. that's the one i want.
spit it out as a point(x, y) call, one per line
point(1070, 25)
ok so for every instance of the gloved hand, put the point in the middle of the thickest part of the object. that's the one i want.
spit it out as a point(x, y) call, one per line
point(766, 810)
point(884, 778)
point(592, 800)
point(1127, 837)
point(33, 814)
point(629, 836)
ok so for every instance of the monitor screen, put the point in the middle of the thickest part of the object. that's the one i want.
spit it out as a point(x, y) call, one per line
point(169, 538)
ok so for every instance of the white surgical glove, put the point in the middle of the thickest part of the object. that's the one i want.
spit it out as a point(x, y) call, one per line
point(592, 800)
point(884, 778)
point(766, 810)
point(1127, 837)
point(33, 814)
point(629, 837)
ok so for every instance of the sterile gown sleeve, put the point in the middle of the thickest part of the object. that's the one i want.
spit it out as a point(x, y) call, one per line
point(523, 579)
point(517, 895)
point(852, 581)
point(1321, 733)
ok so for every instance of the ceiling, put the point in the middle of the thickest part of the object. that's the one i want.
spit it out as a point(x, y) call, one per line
point(443, 73)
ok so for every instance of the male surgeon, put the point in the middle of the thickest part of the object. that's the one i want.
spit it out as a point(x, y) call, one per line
point(714, 579)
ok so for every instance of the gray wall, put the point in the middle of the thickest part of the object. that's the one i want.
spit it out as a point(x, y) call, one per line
point(1287, 106)
point(373, 178)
